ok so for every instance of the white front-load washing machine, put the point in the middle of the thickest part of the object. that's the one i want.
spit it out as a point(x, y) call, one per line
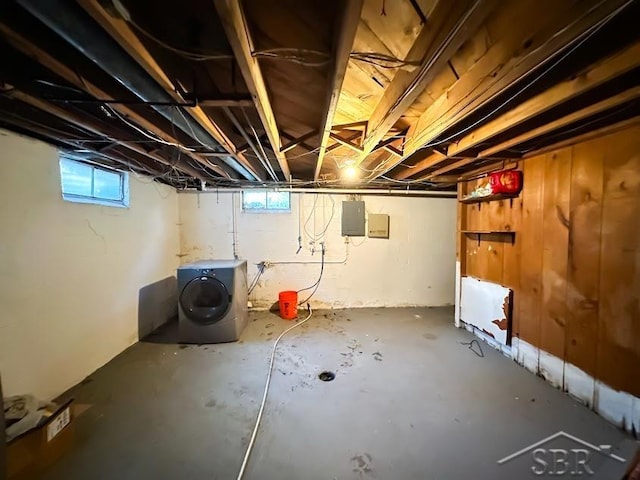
point(212, 301)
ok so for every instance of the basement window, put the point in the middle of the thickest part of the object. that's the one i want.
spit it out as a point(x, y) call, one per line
point(266, 201)
point(85, 183)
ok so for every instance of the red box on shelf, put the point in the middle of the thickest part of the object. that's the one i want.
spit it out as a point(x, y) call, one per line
point(506, 181)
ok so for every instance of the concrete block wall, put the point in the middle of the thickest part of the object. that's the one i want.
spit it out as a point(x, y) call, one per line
point(415, 266)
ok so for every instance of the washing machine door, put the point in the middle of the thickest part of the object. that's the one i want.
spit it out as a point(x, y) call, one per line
point(205, 300)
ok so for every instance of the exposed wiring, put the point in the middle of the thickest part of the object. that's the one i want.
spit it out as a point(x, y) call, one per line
point(197, 139)
point(193, 133)
point(290, 157)
point(407, 182)
point(315, 285)
point(314, 236)
point(57, 85)
point(148, 135)
point(305, 57)
point(189, 55)
point(272, 361)
point(364, 239)
point(265, 158)
point(382, 60)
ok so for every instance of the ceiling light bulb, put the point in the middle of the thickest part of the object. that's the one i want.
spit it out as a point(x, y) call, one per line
point(350, 173)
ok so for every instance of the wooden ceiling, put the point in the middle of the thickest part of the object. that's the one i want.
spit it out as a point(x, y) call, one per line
point(414, 94)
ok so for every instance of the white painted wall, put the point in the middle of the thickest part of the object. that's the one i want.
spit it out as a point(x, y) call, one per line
point(415, 266)
point(70, 273)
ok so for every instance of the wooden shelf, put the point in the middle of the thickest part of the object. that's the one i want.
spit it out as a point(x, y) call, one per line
point(488, 232)
point(489, 198)
point(509, 233)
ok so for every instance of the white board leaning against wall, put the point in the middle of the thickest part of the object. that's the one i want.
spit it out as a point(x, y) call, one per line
point(486, 306)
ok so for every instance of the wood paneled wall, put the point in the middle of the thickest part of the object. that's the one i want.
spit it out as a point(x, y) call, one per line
point(575, 263)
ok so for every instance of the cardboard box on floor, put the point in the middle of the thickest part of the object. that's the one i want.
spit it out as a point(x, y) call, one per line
point(32, 452)
point(633, 471)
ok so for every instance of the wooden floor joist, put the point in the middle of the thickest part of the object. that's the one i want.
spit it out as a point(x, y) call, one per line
point(239, 36)
point(600, 73)
point(346, 35)
point(606, 130)
point(31, 50)
point(607, 104)
point(128, 40)
point(597, 75)
point(94, 128)
point(503, 64)
point(450, 25)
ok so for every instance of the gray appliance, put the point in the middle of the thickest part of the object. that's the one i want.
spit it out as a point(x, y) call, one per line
point(212, 301)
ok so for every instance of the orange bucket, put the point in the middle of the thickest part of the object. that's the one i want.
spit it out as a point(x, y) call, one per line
point(288, 302)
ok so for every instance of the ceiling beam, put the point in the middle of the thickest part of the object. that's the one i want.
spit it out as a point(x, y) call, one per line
point(239, 36)
point(584, 137)
point(51, 63)
point(450, 25)
point(504, 63)
point(582, 114)
point(346, 35)
point(597, 75)
point(129, 41)
point(98, 130)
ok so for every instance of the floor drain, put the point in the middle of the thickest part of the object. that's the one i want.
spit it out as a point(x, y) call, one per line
point(327, 376)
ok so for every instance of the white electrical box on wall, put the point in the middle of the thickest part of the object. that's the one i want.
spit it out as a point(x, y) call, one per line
point(378, 225)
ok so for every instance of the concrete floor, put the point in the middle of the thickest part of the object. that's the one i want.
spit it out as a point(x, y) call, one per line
point(408, 402)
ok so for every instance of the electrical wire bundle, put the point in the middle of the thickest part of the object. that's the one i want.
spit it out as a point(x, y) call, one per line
point(382, 60)
point(315, 237)
point(301, 56)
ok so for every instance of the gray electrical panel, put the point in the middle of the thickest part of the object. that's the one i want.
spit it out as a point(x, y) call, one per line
point(353, 222)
